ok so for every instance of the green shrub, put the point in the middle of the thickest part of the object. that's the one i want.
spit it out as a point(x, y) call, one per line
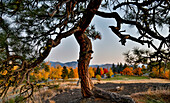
point(19, 99)
point(10, 101)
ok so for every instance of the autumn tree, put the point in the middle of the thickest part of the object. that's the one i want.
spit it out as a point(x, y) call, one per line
point(144, 69)
point(98, 77)
point(71, 73)
point(101, 71)
point(110, 73)
point(128, 71)
point(136, 56)
point(91, 72)
point(105, 71)
point(29, 29)
point(64, 73)
point(76, 73)
point(138, 71)
point(59, 69)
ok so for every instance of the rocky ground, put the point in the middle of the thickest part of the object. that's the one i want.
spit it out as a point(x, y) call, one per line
point(72, 94)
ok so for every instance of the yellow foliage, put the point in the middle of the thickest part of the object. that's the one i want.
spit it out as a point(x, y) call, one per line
point(58, 72)
point(155, 71)
point(110, 73)
point(68, 69)
point(76, 73)
point(53, 73)
point(98, 77)
point(15, 67)
point(4, 72)
point(91, 72)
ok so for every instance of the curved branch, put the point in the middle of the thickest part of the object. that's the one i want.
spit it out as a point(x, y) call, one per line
point(144, 3)
point(121, 21)
point(124, 37)
point(52, 43)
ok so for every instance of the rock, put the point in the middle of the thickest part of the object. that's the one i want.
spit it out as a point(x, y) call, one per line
point(118, 88)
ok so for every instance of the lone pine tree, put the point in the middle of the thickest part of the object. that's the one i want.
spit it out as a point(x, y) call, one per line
point(29, 29)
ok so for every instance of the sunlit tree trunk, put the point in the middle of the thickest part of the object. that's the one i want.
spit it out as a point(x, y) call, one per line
point(87, 87)
point(83, 63)
point(86, 48)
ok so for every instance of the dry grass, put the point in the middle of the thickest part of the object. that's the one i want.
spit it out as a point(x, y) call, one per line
point(43, 95)
point(151, 80)
point(158, 96)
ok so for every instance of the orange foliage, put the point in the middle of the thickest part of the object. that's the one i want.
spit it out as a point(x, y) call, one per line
point(166, 75)
point(127, 71)
point(156, 71)
point(101, 71)
point(161, 74)
point(116, 73)
point(138, 71)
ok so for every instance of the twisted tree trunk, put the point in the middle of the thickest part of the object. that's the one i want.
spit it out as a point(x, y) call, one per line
point(83, 63)
point(87, 87)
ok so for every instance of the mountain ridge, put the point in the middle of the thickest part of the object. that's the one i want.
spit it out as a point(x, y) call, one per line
point(74, 64)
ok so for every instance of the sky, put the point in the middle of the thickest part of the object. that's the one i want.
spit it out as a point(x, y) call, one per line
point(107, 50)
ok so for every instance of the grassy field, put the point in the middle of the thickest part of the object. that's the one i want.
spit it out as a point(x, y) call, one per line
point(123, 77)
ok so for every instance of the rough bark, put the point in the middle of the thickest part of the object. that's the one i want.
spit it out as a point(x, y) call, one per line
point(86, 48)
point(83, 63)
point(87, 87)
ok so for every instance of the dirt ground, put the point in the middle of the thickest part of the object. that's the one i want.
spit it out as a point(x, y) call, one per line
point(70, 93)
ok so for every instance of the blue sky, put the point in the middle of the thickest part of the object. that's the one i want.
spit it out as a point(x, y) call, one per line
point(106, 50)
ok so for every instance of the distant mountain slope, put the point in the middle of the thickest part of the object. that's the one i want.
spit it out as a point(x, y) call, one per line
point(74, 64)
point(68, 64)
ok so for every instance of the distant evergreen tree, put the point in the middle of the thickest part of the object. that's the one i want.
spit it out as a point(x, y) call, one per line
point(64, 73)
point(71, 74)
point(113, 68)
point(120, 67)
point(117, 68)
point(124, 66)
point(98, 71)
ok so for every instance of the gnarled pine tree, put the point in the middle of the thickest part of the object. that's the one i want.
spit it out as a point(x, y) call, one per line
point(29, 29)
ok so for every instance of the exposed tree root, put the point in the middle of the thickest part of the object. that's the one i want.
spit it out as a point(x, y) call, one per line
point(114, 97)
